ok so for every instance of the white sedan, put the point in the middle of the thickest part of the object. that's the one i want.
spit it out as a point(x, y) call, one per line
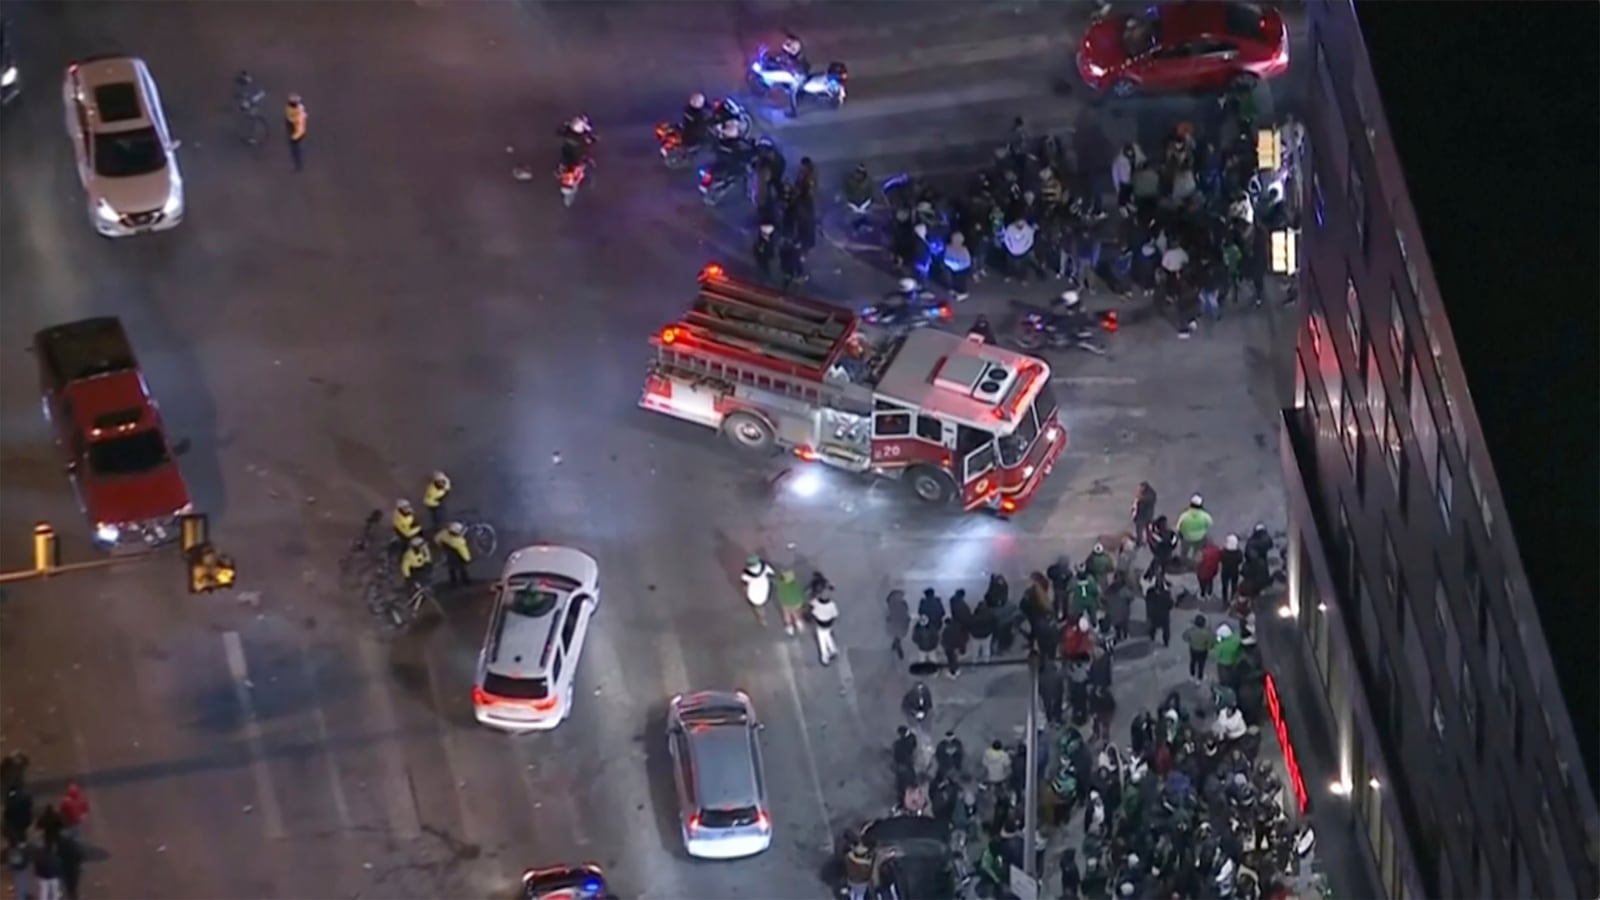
point(127, 159)
point(543, 603)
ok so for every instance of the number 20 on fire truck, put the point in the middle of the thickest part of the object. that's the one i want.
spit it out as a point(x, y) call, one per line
point(957, 420)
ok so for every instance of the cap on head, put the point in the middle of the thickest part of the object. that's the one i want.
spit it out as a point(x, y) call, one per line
point(1099, 548)
point(1083, 623)
point(416, 541)
point(1260, 526)
point(1197, 500)
point(294, 99)
point(439, 477)
point(403, 505)
point(457, 528)
point(1232, 543)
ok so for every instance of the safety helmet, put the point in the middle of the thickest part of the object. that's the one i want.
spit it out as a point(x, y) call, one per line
point(791, 45)
point(417, 541)
point(1260, 526)
point(579, 124)
point(440, 478)
point(403, 505)
point(1197, 500)
point(1099, 548)
point(457, 528)
point(908, 285)
point(1232, 543)
point(767, 229)
point(294, 99)
point(730, 129)
point(697, 100)
point(1070, 298)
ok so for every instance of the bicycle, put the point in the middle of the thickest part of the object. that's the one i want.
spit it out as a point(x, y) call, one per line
point(404, 612)
point(252, 125)
point(365, 554)
point(480, 535)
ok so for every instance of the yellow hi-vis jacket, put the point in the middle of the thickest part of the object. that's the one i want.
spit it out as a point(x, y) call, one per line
point(455, 543)
point(405, 524)
point(433, 495)
point(414, 560)
point(295, 115)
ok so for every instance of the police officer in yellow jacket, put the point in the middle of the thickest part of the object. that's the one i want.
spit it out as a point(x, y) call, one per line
point(416, 564)
point(433, 498)
point(457, 555)
point(294, 120)
point(405, 521)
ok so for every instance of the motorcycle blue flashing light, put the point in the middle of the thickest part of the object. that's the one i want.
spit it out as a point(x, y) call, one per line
point(592, 886)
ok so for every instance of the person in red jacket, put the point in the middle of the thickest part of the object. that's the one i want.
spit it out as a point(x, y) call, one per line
point(1077, 641)
point(1206, 569)
point(73, 808)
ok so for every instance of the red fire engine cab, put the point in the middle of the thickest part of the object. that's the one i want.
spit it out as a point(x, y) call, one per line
point(953, 417)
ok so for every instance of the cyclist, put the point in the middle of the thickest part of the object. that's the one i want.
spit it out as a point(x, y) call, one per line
point(405, 520)
point(433, 497)
point(416, 564)
point(247, 93)
point(457, 555)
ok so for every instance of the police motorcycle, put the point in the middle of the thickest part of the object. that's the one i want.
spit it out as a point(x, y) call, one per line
point(786, 70)
point(1065, 324)
point(906, 309)
point(731, 167)
point(577, 137)
point(701, 125)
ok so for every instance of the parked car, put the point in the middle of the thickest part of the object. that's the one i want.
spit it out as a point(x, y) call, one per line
point(109, 432)
point(1196, 45)
point(543, 604)
point(714, 740)
point(127, 158)
point(579, 882)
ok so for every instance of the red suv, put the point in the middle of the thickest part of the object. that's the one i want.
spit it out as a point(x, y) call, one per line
point(1188, 46)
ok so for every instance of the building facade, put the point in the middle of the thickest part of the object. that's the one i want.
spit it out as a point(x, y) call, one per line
point(1408, 636)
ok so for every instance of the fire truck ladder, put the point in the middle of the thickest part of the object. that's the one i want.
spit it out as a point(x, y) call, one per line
point(801, 338)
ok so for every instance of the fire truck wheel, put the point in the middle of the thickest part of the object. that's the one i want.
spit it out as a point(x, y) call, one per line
point(932, 486)
point(750, 432)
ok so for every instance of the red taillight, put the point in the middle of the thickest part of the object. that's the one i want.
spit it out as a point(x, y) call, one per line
point(694, 822)
point(479, 698)
point(762, 821)
point(1008, 505)
point(805, 453)
point(1109, 321)
point(544, 705)
point(571, 176)
point(946, 312)
point(661, 130)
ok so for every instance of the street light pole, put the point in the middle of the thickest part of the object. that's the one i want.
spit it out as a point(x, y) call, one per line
point(1030, 812)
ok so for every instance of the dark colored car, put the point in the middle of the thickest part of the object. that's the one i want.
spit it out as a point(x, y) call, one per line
point(911, 859)
point(580, 882)
point(1198, 45)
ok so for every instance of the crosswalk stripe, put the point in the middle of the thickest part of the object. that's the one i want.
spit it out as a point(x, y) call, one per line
point(341, 805)
point(266, 794)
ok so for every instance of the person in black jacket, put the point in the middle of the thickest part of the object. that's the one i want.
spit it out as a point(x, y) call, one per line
point(1158, 611)
point(1232, 563)
point(981, 626)
point(925, 637)
point(932, 607)
point(1052, 690)
point(954, 642)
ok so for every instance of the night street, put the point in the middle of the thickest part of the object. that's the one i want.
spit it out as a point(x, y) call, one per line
point(326, 339)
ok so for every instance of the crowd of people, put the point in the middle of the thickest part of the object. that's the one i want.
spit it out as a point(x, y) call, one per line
point(44, 850)
point(1182, 805)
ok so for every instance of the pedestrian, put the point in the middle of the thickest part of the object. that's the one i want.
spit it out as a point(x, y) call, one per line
point(19, 865)
point(1078, 690)
point(1158, 611)
point(824, 614)
point(1194, 526)
point(792, 261)
point(1200, 641)
point(954, 642)
point(949, 756)
point(1085, 594)
point(13, 771)
point(897, 618)
point(1038, 601)
point(1127, 557)
point(50, 825)
point(1206, 570)
point(960, 609)
point(757, 578)
point(457, 554)
point(1102, 707)
point(932, 607)
point(71, 867)
point(981, 627)
point(858, 870)
point(1119, 605)
point(1052, 690)
point(1077, 641)
point(996, 764)
point(958, 264)
point(925, 638)
point(1231, 563)
point(294, 117)
point(765, 249)
point(1163, 543)
point(47, 871)
point(18, 815)
point(791, 602)
point(1100, 565)
point(1229, 649)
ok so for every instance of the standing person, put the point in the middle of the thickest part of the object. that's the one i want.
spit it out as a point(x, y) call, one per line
point(1163, 542)
point(824, 614)
point(858, 870)
point(765, 249)
point(925, 637)
point(958, 263)
point(294, 118)
point(1100, 565)
point(1194, 526)
point(434, 496)
point(1206, 570)
point(897, 618)
point(981, 627)
point(757, 578)
point(932, 608)
point(18, 815)
point(954, 641)
point(791, 602)
point(1158, 611)
point(19, 865)
point(1119, 605)
point(1143, 510)
point(50, 825)
point(960, 609)
point(1231, 563)
point(457, 555)
point(47, 871)
point(71, 867)
point(1052, 690)
point(792, 260)
point(1200, 641)
point(74, 809)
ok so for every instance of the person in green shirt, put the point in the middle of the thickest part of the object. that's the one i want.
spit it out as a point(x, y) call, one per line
point(1100, 564)
point(1085, 594)
point(791, 602)
point(1200, 641)
point(1230, 647)
point(1194, 526)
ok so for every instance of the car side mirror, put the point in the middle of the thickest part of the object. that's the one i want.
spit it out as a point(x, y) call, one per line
point(761, 726)
point(181, 447)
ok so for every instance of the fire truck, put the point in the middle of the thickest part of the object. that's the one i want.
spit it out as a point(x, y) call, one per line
point(954, 418)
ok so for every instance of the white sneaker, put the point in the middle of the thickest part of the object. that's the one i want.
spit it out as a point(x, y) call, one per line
point(789, 630)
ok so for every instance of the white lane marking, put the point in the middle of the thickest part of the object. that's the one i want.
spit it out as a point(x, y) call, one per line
point(470, 833)
point(340, 805)
point(847, 687)
point(81, 751)
point(1095, 380)
point(392, 783)
point(266, 795)
point(674, 671)
point(787, 664)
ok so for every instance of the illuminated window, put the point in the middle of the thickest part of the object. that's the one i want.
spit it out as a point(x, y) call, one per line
point(1391, 563)
point(1397, 327)
point(1393, 450)
point(1319, 205)
point(1350, 432)
point(1412, 277)
point(1353, 317)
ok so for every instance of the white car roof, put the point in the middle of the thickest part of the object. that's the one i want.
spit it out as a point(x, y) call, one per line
point(552, 559)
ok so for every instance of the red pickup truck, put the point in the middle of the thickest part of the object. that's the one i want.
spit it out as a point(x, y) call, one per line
point(109, 431)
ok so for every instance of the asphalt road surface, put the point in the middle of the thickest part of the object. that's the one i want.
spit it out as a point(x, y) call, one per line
point(325, 339)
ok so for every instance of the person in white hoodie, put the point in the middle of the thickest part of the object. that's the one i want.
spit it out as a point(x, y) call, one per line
point(757, 578)
point(824, 613)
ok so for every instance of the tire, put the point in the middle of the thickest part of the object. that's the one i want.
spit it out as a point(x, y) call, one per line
point(482, 539)
point(1122, 89)
point(932, 486)
point(750, 433)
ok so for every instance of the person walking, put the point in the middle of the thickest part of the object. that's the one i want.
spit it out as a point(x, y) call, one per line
point(996, 765)
point(757, 578)
point(1200, 641)
point(897, 618)
point(824, 614)
point(1119, 605)
point(954, 642)
point(434, 497)
point(858, 870)
point(71, 867)
point(294, 118)
point(791, 602)
point(1205, 572)
point(1143, 510)
point(1194, 526)
point(1052, 690)
point(1231, 563)
point(1158, 611)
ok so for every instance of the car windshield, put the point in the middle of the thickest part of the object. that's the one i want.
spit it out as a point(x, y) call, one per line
point(124, 154)
point(1014, 447)
point(516, 688)
point(728, 818)
point(128, 455)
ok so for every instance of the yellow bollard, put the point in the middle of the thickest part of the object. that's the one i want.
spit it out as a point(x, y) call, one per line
point(45, 552)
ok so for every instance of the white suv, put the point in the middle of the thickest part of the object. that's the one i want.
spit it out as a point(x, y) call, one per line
point(127, 159)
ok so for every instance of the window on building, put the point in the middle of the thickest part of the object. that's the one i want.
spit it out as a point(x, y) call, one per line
point(1480, 499)
point(1377, 402)
point(1422, 427)
point(1358, 202)
point(1319, 204)
point(1445, 488)
point(1354, 320)
point(1350, 434)
point(1394, 454)
point(1397, 328)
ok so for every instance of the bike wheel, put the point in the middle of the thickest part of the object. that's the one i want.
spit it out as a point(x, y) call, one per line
point(482, 539)
point(253, 129)
point(377, 596)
